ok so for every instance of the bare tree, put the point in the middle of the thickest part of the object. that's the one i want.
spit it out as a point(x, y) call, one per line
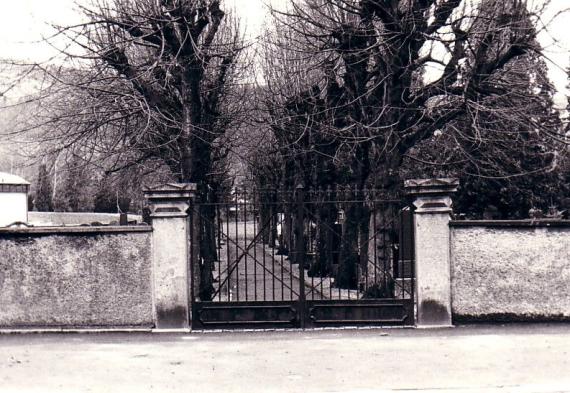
point(391, 74)
point(146, 83)
point(154, 80)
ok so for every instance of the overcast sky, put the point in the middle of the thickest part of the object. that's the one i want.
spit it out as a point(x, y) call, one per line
point(24, 22)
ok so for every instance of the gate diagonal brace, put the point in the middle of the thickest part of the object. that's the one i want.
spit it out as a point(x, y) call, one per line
point(246, 251)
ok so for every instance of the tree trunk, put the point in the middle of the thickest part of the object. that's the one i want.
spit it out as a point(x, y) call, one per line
point(363, 245)
point(195, 165)
point(380, 269)
point(349, 259)
point(264, 217)
point(208, 254)
point(286, 239)
point(326, 215)
point(383, 223)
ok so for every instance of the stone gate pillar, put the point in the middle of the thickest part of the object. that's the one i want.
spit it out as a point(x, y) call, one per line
point(432, 199)
point(169, 206)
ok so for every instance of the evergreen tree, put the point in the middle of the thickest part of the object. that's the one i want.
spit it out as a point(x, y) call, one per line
point(109, 198)
point(503, 151)
point(75, 193)
point(43, 201)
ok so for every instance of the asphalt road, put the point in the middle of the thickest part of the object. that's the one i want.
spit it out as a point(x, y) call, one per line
point(517, 358)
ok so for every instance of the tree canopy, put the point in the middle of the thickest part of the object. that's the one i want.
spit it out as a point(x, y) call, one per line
point(145, 83)
point(354, 92)
point(370, 91)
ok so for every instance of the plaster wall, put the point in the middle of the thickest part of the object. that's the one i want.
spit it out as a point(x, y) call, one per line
point(13, 207)
point(510, 272)
point(83, 277)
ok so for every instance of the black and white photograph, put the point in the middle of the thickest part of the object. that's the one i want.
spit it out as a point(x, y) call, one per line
point(267, 196)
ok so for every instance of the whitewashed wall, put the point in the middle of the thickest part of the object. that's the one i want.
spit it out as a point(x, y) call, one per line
point(13, 207)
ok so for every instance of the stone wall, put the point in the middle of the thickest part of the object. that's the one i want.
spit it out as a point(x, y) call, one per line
point(510, 270)
point(76, 277)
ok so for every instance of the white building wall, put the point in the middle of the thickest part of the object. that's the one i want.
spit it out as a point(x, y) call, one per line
point(13, 207)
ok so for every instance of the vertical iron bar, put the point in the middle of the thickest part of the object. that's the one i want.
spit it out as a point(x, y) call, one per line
point(311, 203)
point(319, 227)
point(263, 247)
point(289, 251)
point(399, 260)
point(412, 257)
point(375, 242)
point(300, 252)
point(385, 251)
point(272, 246)
point(342, 233)
point(245, 243)
point(193, 246)
point(274, 235)
point(331, 238)
point(254, 196)
point(348, 198)
point(354, 200)
point(272, 240)
point(228, 262)
point(369, 241)
point(237, 244)
point(219, 249)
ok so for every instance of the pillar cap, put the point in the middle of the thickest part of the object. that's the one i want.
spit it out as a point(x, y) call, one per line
point(171, 191)
point(431, 187)
point(170, 200)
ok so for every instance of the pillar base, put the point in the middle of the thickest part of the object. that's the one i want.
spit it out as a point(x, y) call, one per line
point(177, 331)
point(430, 327)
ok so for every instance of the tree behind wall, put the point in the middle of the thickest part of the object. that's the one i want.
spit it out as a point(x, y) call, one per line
point(110, 198)
point(75, 193)
point(152, 81)
point(374, 55)
point(160, 84)
point(43, 201)
point(507, 152)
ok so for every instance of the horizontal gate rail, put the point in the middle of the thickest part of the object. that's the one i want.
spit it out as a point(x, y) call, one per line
point(283, 314)
point(387, 312)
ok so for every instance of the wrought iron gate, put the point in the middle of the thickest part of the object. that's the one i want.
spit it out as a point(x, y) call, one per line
point(301, 259)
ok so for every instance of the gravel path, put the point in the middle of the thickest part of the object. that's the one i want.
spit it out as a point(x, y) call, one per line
point(260, 274)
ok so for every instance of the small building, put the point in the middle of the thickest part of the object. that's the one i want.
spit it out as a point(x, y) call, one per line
point(13, 199)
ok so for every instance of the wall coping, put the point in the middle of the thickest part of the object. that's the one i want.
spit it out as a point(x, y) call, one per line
point(75, 230)
point(542, 223)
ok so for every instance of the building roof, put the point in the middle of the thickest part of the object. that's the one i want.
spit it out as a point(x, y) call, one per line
point(7, 178)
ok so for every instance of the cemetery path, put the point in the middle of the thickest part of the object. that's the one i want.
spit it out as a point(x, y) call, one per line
point(248, 270)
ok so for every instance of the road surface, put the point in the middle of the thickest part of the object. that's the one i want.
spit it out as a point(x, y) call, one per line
point(527, 358)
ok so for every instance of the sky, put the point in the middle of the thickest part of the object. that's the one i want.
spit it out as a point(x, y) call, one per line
point(23, 23)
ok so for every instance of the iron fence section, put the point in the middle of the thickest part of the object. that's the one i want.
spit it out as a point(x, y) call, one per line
point(303, 252)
